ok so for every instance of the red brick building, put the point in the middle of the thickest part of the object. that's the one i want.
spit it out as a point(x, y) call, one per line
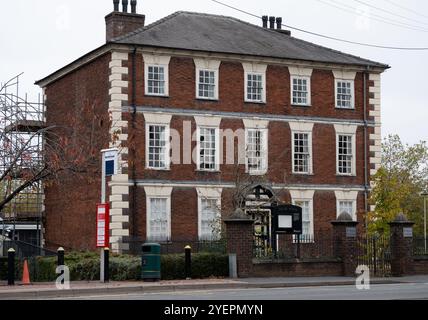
point(302, 122)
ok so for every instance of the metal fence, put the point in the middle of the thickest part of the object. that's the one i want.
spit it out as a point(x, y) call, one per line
point(303, 247)
point(420, 246)
point(177, 246)
point(375, 253)
point(25, 250)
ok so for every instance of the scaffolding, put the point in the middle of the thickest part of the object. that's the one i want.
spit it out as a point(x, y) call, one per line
point(21, 154)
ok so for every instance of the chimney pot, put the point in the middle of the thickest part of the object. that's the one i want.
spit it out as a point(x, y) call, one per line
point(125, 6)
point(134, 6)
point(272, 22)
point(116, 5)
point(265, 21)
point(279, 23)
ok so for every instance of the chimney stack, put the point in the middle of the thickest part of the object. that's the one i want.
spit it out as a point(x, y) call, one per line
point(272, 22)
point(265, 21)
point(125, 6)
point(121, 23)
point(279, 23)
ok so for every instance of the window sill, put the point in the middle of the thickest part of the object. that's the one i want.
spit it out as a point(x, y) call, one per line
point(207, 99)
point(342, 108)
point(208, 171)
point(255, 102)
point(304, 242)
point(301, 105)
point(345, 175)
point(158, 169)
point(156, 95)
point(257, 173)
point(303, 174)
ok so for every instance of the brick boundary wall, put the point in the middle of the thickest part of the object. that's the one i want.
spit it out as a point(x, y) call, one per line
point(420, 265)
point(297, 268)
point(239, 233)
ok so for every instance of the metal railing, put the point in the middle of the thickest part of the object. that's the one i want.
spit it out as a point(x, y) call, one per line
point(177, 246)
point(303, 248)
point(25, 250)
point(375, 253)
point(420, 246)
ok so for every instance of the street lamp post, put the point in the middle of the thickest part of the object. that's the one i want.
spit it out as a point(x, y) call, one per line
point(2, 237)
point(2, 230)
point(425, 195)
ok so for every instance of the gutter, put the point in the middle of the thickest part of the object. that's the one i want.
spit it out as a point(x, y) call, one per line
point(132, 148)
point(366, 186)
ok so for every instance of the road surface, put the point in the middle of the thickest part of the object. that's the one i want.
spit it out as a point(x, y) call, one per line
point(376, 292)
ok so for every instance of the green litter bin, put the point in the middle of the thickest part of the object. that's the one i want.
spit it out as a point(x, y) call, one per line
point(151, 262)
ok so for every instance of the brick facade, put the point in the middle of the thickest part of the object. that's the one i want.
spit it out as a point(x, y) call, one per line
point(69, 219)
point(109, 80)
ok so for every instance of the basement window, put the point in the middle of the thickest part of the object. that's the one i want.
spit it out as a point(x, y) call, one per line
point(347, 207)
point(159, 219)
point(307, 220)
point(209, 218)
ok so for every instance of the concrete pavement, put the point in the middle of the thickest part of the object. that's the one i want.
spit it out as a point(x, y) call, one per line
point(78, 289)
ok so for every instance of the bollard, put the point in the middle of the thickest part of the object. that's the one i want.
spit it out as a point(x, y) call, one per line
point(11, 267)
point(106, 265)
point(60, 260)
point(60, 255)
point(188, 262)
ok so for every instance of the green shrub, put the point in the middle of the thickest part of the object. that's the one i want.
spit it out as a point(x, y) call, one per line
point(125, 268)
point(172, 267)
point(4, 266)
point(3, 269)
point(86, 267)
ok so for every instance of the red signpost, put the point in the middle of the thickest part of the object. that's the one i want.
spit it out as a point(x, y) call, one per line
point(103, 221)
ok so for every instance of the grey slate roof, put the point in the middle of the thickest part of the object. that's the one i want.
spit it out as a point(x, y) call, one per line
point(221, 34)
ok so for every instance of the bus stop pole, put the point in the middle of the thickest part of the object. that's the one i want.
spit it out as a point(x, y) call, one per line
point(103, 199)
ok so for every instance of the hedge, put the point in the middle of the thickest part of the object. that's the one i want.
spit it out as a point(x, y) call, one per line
point(86, 267)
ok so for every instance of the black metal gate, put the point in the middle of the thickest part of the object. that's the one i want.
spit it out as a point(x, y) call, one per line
point(262, 232)
point(375, 253)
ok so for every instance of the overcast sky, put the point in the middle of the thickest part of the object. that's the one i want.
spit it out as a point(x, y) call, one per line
point(39, 37)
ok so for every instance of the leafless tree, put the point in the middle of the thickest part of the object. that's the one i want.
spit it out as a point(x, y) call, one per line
point(33, 151)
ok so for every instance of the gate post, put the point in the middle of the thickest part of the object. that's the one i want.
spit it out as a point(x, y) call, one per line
point(239, 236)
point(401, 245)
point(345, 242)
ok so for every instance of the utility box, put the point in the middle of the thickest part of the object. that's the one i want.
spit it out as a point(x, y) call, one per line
point(151, 262)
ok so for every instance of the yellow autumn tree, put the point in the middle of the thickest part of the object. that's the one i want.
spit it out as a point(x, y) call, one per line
point(398, 183)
